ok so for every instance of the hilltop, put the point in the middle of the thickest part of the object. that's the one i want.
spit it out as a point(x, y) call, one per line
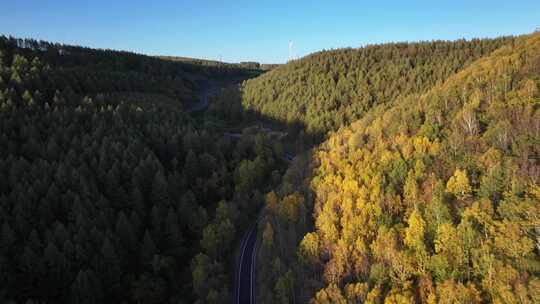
point(330, 89)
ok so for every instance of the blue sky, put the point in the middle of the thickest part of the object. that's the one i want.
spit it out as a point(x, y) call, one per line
point(239, 30)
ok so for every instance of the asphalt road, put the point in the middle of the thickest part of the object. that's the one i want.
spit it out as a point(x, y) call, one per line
point(208, 89)
point(288, 157)
point(245, 274)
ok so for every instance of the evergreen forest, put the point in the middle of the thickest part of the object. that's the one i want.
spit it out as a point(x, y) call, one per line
point(393, 173)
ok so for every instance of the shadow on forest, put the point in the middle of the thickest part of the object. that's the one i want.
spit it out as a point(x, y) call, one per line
point(138, 183)
point(226, 107)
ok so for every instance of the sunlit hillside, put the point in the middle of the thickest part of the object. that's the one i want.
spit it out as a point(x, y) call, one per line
point(434, 200)
point(330, 89)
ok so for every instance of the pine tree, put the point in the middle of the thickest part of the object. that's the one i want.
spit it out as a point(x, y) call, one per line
point(210, 241)
point(173, 238)
point(148, 248)
point(159, 195)
point(200, 274)
point(7, 240)
point(86, 288)
point(124, 231)
point(109, 268)
point(191, 166)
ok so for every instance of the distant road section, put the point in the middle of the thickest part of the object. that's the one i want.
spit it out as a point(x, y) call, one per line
point(208, 89)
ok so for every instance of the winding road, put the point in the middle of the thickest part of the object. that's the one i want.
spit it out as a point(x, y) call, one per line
point(244, 291)
point(209, 88)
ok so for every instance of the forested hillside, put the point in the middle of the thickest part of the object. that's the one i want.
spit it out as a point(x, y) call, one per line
point(255, 67)
point(435, 199)
point(330, 89)
point(426, 190)
point(109, 192)
point(75, 70)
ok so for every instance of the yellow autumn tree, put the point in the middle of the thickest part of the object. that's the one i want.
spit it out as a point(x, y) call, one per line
point(268, 236)
point(451, 292)
point(459, 184)
point(329, 295)
point(410, 189)
point(309, 247)
point(414, 237)
point(399, 297)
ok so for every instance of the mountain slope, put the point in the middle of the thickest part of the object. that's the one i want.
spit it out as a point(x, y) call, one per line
point(432, 200)
point(109, 191)
point(330, 89)
point(85, 71)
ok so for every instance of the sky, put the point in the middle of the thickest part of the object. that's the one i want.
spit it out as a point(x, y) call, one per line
point(239, 30)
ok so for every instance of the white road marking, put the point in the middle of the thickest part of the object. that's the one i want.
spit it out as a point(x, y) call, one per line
point(244, 242)
point(252, 300)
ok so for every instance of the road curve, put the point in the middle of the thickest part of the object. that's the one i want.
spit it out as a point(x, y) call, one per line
point(244, 292)
point(208, 89)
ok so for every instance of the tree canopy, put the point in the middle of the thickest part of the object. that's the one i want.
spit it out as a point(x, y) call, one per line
point(433, 198)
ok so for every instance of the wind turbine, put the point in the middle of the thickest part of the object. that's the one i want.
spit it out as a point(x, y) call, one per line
point(291, 50)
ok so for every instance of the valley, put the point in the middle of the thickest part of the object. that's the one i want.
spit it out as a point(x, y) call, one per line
point(390, 173)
